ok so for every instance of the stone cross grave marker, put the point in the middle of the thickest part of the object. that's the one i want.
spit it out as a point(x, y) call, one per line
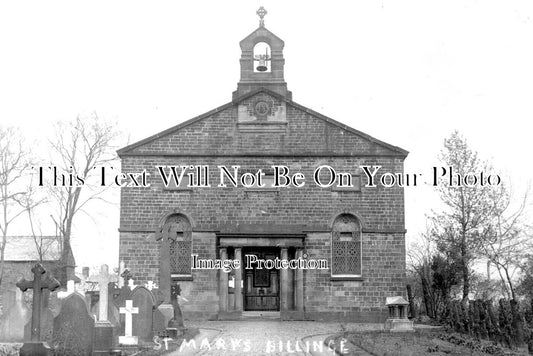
point(35, 346)
point(175, 325)
point(103, 331)
point(128, 338)
point(37, 285)
point(103, 282)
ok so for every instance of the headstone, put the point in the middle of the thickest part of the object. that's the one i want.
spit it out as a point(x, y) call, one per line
point(164, 262)
point(120, 302)
point(47, 320)
point(128, 311)
point(35, 346)
point(113, 316)
point(144, 300)
point(165, 308)
point(74, 327)
point(175, 325)
point(103, 331)
point(13, 320)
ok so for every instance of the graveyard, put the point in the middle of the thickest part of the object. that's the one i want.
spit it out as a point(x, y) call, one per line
point(114, 317)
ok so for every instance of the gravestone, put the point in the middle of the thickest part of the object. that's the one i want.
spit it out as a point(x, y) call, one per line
point(73, 327)
point(35, 346)
point(14, 318)
point(103, 331)
point(112, 311)
point(175, 325)
point(142, 322)
point(128, 311)
point(47, 320)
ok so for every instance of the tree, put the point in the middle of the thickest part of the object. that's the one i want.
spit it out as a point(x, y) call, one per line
point(507, 242)
point(436, 274)
point(525, 284)
point(79, 146)
point(460, 227)
point(14, 166)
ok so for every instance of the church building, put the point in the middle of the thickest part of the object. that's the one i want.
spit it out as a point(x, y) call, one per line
point(343, 238)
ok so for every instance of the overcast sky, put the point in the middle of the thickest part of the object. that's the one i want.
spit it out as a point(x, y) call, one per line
point(405, 72)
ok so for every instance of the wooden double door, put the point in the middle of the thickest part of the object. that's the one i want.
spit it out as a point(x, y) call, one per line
point(261, 286)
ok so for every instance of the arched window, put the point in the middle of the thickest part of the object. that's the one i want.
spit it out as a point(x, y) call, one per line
point(346, 246)
point(178, 230)
point(262, 58)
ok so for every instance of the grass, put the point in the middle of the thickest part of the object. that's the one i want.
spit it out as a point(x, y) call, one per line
point(420, 342)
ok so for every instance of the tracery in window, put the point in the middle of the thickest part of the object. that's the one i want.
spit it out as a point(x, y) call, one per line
point(346, 246)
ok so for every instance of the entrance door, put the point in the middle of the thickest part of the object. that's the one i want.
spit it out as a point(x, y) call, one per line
point(261, 286)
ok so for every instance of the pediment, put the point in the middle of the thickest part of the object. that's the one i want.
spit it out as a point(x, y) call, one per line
point(260, 123)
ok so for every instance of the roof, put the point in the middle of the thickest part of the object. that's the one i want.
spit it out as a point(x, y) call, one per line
point(124, 151)
point(23, 248)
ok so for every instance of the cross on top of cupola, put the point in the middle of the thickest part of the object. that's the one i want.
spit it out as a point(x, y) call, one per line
point(261, 13)
point(262, 61)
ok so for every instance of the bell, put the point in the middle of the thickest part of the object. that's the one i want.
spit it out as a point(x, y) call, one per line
point(262, 66)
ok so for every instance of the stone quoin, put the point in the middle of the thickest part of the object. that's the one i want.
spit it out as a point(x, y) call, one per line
point(357, 230)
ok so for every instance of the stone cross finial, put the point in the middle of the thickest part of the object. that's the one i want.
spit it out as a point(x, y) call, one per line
point(37, 285)
point(261, 13)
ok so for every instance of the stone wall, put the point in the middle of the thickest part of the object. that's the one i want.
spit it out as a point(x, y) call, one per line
point(305, 143)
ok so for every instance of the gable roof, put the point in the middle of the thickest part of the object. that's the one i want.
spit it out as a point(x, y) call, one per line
point(126, 150)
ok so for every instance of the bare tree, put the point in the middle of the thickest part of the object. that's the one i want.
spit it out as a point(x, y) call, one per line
point(79, 146)
point(30, 202)
point(507, 241)
point(14, 165)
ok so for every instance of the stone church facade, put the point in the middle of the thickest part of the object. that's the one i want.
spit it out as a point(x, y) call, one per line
point(359, 230)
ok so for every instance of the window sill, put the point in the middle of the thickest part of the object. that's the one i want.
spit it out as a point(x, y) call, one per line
point(181, 277)
point(347, 278)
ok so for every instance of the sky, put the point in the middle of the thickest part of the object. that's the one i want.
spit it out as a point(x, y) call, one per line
point(406, 72)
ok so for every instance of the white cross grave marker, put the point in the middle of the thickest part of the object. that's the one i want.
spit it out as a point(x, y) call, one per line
point(128, 338)
point(103, 280)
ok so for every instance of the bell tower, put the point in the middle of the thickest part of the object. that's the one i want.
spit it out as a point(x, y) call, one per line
point(262, 61)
